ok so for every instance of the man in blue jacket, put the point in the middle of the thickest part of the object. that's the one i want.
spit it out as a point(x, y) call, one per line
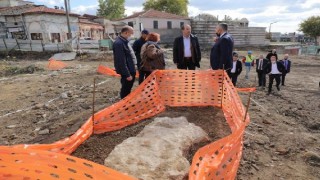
point(221, 52)
point(123, 61)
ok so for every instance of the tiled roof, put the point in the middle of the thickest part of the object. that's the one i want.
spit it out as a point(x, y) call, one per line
point(89, 16)
point(16, 10)
point(87, 21)
point(155, 14)
point(43, 9)
point(32, 9)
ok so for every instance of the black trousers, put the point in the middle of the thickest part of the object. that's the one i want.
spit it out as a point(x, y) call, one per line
point(271, 78)
point(261, 78)
point(126, 85)
point(141, 76)
point(283, 78)
point(234, 78)
point(187, 64)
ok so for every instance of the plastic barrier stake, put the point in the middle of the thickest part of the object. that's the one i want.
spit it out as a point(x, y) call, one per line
point(93, 99)
point(247, 108)
point(249, 100)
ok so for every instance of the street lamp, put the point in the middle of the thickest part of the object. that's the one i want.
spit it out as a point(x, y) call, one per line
point(270, 28)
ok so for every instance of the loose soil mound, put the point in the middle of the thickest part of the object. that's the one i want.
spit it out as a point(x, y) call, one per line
point(210, 119)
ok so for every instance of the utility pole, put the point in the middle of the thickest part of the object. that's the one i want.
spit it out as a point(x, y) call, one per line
point(270, 29)
point(67, 8)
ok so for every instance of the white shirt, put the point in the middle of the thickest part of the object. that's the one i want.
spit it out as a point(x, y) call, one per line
point(187, 46)
point(260, 64)
point(274, 69)
point(233, 70)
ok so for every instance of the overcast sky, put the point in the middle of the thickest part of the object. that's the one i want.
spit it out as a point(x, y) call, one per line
point(286, 13)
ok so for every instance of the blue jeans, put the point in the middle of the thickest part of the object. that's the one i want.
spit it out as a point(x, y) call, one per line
point(248, 68)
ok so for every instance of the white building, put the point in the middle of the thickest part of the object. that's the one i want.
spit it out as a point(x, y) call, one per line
point(166, 24)
point(36, 22)
point(49, 25)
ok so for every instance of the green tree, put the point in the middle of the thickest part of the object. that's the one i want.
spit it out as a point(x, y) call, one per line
point(111, 9)
point(205, 17)
point(179, 7)
point(311, 26)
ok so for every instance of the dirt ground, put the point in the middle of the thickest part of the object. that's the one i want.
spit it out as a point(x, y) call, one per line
point(281, 142)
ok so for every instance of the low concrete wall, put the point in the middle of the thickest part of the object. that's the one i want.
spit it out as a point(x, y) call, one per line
point(39, 46)
point(167, 36)
point(243, 36)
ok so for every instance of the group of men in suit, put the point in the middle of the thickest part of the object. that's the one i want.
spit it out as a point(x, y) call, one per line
point(187, 55)
point(277, 70)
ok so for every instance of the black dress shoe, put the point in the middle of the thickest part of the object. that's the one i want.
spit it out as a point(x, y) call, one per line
point(278, 88)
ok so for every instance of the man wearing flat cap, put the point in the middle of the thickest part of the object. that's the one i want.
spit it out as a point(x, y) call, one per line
point(137, 49)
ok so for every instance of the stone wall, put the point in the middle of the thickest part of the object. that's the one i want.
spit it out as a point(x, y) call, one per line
point(167, 36)
point(243, 36)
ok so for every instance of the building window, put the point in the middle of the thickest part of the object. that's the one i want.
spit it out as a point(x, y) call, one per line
point(130, 24)
point(155, 25)
point(140, 27)
point(36, 36)
point(55, 37)
point(169, 25)
point(181, 24)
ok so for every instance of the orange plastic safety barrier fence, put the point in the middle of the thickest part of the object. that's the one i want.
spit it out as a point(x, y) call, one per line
point(109, 71)
point(36, 164)
point(56, 65)
point(218, 160)
point(246, 89)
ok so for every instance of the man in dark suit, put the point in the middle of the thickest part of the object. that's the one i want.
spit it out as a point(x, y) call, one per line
point(260, 64)
point(287, 65)
point(236, 69)
point(123, 61)
point(274, 68)
point(186, 50)
point(221, 52)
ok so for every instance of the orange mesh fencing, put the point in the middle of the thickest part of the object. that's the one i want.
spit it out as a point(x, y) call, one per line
point(36, 164)
point(246, 89)
point(111, 72)
point(56, 65)
point(218, 160)
point(66, 145)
